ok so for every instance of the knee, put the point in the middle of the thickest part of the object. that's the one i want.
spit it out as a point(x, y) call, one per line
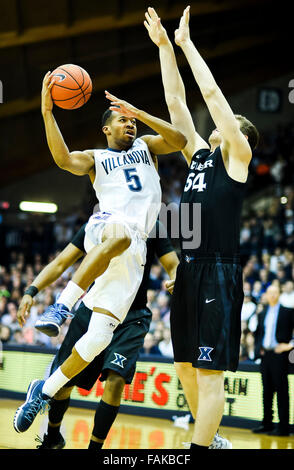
point(92, 343)
point(115, 239)
point(122, 243)
point(63, 393)
point(113, 388)
point(211, 382)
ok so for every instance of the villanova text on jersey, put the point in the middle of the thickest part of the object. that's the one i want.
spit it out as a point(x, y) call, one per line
point(131, 158)
point(127, 184)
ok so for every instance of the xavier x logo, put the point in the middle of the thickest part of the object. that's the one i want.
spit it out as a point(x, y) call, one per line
point(205, 353)
point(119, 360)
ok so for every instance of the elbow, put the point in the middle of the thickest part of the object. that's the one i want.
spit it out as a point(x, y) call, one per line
point(174, 102)
point(182, 141)
point(209, 91)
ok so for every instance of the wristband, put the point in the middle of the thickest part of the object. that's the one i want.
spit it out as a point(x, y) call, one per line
point(32, 291)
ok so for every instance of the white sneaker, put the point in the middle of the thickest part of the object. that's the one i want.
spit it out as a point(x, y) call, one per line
point(220, 443)
point(217, 443)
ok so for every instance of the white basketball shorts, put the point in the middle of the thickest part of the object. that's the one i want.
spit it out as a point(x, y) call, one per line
point(116, 289)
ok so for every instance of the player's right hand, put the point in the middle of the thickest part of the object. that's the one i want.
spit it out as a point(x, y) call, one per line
point(46, 99)
point(24, 309)
point(154, 27)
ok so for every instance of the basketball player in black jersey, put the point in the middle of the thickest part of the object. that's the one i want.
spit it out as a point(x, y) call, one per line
point(208, 291)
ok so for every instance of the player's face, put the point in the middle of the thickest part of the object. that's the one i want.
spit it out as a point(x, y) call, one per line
point(123, 130)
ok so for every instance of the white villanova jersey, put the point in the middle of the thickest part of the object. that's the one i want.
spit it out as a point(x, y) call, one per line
point(128, 184)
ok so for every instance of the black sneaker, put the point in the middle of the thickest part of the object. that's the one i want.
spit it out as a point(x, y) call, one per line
point(48, 443)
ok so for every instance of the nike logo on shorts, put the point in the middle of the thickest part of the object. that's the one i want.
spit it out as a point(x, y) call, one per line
point(208, 301)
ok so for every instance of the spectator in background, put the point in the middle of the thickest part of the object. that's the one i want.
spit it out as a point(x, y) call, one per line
point(287, 296)
point(165, 346)
point(273, 341)
point(264, 279)
point(149, 347)
point(248, 308)
point(3, 304)
point(156, 317)
point(10, 318)
point(256, 291)
point(5, 333)
point(247, 288)
point(276, 258)
point(163, 303)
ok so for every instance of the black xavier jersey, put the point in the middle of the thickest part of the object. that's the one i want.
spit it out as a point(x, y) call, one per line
point(213, 225)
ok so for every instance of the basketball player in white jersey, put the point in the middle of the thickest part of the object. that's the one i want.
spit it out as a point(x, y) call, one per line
point(127, 186)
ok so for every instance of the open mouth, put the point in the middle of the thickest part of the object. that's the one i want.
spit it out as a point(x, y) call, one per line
point(130, 134)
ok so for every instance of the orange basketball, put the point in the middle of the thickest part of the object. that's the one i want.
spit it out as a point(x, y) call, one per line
point(72, 87)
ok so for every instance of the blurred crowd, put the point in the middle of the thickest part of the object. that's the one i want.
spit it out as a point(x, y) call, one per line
point(266, 242)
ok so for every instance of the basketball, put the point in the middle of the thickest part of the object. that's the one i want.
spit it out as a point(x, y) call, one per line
point(72, 87)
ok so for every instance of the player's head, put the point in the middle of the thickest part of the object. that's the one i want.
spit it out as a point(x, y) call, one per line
point(120, 130)
point(246, 127)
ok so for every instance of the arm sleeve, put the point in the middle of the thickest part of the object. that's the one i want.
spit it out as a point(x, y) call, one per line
point(162, 241)
point(78, 239)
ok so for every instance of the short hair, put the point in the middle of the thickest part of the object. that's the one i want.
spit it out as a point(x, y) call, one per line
point(106, 117)
point(247, 128)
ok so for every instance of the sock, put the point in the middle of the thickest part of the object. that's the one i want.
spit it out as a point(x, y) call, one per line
point(70, 295)
point(54, 383)
point(104, 418)
point(55, 415)
point(93, 445)
point(197, 447)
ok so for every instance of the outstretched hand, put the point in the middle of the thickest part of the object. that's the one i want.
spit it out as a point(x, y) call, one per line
point(182, 34)
point(24, 309)
point(46, 99)
point(121, 106)
point(156, 31)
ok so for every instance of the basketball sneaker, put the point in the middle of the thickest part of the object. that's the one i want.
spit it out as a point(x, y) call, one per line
point(52, 319)
point(220, 442)
point(35, 402)
point(49, 443)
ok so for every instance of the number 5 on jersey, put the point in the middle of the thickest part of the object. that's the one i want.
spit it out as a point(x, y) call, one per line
point(196, 183)
point(133, 179)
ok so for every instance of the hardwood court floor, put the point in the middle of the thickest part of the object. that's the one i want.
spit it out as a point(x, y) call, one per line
point(127, 432)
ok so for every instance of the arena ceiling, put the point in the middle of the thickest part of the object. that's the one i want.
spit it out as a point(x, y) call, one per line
point(244, 41)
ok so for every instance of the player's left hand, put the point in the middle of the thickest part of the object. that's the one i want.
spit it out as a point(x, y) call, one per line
point(170, 285)
point(121, 106)
point(24, 309)
point(182, 34)
point(282, 347)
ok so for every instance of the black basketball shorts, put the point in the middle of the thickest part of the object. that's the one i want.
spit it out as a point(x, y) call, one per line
point(120, 356)
point(206, 312)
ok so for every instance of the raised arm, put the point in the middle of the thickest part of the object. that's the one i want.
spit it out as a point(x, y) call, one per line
point(234, 143)
point(47, 276)
point(168, 140)
point(174, 89)
point(78, 163)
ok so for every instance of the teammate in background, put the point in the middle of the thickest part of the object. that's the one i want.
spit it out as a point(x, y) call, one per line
point(208, 291)
point(117, 362)
point(128, 189)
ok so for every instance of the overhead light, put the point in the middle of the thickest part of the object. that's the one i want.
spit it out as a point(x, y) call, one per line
point(284, 200)
point(48, 207)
